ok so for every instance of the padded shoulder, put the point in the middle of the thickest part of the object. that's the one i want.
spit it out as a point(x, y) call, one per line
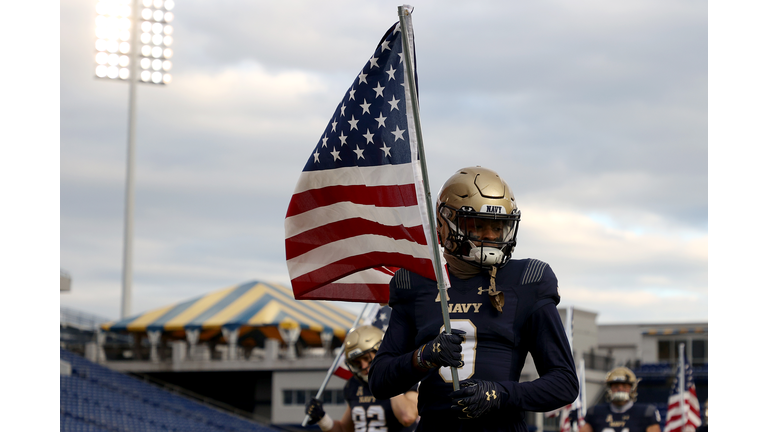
point(650, 411)
point(540, 274)
point(401, 280)
point(405, 286)
point(534, 271)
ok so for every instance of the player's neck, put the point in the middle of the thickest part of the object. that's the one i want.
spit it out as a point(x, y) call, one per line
point(621, 408)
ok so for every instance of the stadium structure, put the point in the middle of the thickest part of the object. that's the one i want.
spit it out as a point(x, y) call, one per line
point(248, 357)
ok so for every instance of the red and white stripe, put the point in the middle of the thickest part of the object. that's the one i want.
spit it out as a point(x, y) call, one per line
point(348, 220)
point(684, 417)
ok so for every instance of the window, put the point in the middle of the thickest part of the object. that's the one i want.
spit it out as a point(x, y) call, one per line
point(699, 352)
point(695, 349)
point(301, 396)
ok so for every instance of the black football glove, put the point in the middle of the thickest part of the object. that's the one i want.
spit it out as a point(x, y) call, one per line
point(445, 350)
point(476, 397)
point(314, 409)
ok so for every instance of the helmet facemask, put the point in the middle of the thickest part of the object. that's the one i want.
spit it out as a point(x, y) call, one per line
point(483, 239)
point(621, 375)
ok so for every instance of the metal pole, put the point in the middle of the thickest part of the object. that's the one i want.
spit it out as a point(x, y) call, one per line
point(405, 21)
point(125, 309)
point(333, 365)
point(681, 378)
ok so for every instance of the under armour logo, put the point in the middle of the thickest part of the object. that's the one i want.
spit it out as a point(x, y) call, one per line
point(490, 395)
point(480, 290)
point(436, 348)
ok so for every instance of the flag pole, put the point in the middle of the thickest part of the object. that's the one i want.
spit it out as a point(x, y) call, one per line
point(333, 365)
point(681, 378)
point(404, 12)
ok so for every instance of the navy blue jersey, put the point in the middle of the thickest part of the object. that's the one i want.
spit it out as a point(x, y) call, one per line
point(636, 419)
point(369, 413)
point(495, 348)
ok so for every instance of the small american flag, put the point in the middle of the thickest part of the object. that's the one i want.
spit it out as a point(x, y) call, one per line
point(685, 416)
point(358, 212)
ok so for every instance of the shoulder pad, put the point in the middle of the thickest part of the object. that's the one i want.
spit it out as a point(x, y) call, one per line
point(401, 279)
point(650, 411)
point(533, 272)
point(403, 287)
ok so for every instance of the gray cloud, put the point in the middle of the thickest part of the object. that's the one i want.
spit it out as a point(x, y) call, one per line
point(595, 113)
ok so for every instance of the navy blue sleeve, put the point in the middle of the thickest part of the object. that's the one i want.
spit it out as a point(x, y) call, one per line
point(557, 385)
point(392, 372)
point(651, 417)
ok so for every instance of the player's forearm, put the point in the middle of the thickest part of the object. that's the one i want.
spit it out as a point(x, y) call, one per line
point(552, 391)
point(404, 407)
point(392, 375)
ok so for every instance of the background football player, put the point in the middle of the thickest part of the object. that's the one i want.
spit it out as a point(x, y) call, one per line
point(621, 413)
point(364, 412)
point(500, 310)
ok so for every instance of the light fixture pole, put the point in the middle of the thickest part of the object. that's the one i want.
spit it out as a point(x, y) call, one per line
point(125, 302)
point(121, 27)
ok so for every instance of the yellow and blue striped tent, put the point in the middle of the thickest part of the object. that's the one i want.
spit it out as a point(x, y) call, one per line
point(257, 308)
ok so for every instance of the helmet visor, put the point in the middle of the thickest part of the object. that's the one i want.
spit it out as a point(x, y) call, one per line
point(492, 230)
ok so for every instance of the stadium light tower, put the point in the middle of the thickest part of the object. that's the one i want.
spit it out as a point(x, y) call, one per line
point(133, 43)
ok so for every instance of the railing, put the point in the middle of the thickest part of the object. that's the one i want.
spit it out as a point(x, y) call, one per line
point(82, 320)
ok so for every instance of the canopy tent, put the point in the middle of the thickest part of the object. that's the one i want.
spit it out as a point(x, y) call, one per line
point(258, 309)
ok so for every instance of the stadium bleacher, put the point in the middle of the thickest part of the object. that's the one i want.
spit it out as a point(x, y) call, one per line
point(97, 399)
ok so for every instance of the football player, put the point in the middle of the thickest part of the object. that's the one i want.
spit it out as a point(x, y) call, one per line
point(500, 310)
point(621, 413)
point(365, 412)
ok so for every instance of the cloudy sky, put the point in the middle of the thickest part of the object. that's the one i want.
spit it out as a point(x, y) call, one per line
point(595, 112)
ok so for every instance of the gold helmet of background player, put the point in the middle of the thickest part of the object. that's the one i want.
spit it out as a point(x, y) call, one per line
point(360, 341)
point(469, 199)
point(621, 375)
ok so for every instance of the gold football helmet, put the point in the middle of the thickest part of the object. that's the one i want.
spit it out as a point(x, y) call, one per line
point(477, 217)
point(621, 375)
point(359, 342)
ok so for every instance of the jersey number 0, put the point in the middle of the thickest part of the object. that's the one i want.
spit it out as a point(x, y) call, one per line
point(467, 350)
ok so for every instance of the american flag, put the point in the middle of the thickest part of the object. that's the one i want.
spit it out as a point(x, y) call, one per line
point(359, 209)
point(685, 416)
point(377, 317)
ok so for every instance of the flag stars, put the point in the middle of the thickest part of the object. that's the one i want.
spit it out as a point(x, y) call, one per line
point(379, 90)
point(316, 154)
point(361, 78)
point(325, 140)
point(391, 72)
point(398, 133)
point(385, 46)
point(352, 94)
point(365, 106)
point(358, 152)
point(333, 125)
point(386, 149)
point(401, 56)
point(374, 61)
point(343, 107)
point(393, 104)
point(380, 119)
point(368, 136)
point(335, 154)
point(343, 139)
point(353, 123)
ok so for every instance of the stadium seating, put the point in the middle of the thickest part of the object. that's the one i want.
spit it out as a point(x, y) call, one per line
point(97, 399)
